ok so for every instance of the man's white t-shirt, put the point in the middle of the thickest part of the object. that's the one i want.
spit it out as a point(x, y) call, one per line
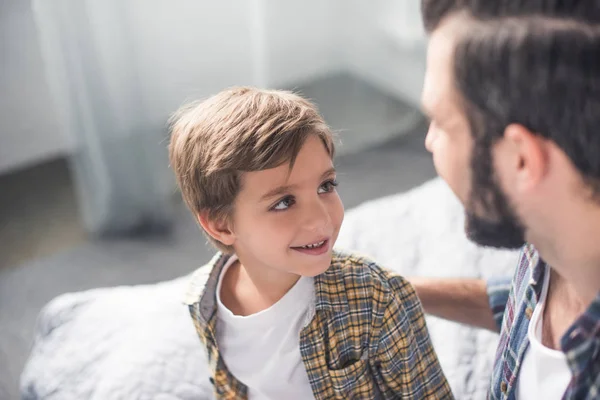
point(544, 372)
point(262, 350)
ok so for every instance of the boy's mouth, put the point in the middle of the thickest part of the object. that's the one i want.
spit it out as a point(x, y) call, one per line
point(314, 245)
point(316, 248)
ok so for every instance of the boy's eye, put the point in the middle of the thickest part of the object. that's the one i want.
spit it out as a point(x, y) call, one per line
point(328, 186)
point(283, 204)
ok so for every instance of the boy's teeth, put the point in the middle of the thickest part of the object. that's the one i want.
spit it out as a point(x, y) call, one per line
point(312, 246)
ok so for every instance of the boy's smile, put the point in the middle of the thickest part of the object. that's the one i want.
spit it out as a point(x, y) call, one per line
point(316, 248)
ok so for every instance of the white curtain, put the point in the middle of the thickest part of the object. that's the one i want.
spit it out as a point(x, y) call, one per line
point(118, 68)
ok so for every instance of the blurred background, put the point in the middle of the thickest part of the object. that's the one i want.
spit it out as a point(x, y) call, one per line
point(86, 88)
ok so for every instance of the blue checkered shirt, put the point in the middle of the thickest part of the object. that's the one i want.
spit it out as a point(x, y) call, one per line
point(512, 304)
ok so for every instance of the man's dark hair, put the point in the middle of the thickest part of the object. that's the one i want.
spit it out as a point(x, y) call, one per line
point(538, 67)
point(434, 11)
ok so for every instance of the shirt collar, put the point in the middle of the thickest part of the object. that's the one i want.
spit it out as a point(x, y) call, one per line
point(586, 329)
point(203, 285)
point(330, 289)
point(536, 264)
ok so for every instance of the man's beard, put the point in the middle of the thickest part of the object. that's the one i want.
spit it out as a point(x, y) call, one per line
point(499, 226)
point(503, 233)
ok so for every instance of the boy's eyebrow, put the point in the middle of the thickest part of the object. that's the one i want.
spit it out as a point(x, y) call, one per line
point(276, 192)
point(330, 171)
point(287, 188)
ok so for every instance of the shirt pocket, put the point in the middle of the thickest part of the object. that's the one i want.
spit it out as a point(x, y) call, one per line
point(354, 381)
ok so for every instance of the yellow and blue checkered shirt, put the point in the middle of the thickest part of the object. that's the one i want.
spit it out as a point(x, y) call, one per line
point(367, 339)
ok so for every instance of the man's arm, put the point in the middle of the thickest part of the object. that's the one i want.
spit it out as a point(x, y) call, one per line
point(468, 301)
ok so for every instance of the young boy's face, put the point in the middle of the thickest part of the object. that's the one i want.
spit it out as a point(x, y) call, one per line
point(289, 220)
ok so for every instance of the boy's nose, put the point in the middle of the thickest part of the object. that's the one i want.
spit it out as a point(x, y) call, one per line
point(317, 217)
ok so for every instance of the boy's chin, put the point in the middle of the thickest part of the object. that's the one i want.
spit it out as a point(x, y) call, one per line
point(310, 271)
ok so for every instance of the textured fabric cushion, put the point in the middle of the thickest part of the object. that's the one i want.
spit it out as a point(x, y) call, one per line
point(138, 342)
point(117, 343)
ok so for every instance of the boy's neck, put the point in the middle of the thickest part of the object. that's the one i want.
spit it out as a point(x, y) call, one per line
point(247, 291)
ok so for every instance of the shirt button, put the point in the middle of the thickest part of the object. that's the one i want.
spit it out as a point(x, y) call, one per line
point(528, 312)
point(574, 334)
point(503, 387)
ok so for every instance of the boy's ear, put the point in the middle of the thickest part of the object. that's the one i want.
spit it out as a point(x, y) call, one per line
point(218, 229)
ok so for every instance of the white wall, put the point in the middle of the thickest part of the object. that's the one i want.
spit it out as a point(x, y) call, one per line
point(169, 51)
point(186, 49)
point(147, 57)
point(189, 49)
point(28, 126)
point(386, 46)
point(303, 39)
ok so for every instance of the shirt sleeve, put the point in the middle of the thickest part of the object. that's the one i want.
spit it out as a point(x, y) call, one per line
point(409, 367)
point(498, 290)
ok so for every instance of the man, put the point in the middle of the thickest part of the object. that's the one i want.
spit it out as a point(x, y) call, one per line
point(512, 89)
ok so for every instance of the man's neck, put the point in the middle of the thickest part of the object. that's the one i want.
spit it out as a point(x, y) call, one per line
point(574, 254)
point(581, 275)
point(563, 306)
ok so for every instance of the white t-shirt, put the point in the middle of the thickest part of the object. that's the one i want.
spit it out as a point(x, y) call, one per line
point(544, 373)
point(262, 350)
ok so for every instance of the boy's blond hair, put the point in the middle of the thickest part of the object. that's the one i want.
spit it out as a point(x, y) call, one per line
point(237, 130)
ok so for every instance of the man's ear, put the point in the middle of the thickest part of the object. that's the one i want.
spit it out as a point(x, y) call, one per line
point(218, 228)
point(531, 155)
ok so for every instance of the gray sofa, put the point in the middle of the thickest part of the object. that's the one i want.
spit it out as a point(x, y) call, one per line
point(138, 342)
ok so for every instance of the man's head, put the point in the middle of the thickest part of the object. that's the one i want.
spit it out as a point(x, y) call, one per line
point(255, 168)
point(434, 11)
point(514, 99)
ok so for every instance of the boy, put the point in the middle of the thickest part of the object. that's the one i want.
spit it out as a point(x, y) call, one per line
point(281, 314)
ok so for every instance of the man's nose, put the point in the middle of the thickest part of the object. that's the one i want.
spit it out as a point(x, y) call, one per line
point(430, 138)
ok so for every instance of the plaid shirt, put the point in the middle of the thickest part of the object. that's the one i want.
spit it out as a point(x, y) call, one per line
point(366, 340)
point(513, 305)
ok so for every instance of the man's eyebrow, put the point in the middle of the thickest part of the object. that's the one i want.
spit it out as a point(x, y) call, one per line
point(278, 191)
